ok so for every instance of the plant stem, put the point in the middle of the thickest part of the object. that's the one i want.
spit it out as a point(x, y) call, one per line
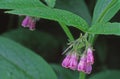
point(92, 38)
point(82, 75)
point(67, 31)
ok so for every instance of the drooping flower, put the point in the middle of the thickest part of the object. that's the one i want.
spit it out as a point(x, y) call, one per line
point(71, 61)
point(88, 68)
point(90, 58)
point(86, 61)
point(65, 62)
point(82, 64)
point(29, 22)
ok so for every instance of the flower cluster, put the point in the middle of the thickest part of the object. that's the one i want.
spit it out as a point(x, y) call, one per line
point(85, 63)
point(29, 22)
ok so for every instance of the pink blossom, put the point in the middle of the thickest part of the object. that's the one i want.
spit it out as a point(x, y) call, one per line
point(65, 62)
point(71, 61)
point(86, 61)
point(82, 64)
point(25, 22)
point(88, 68)
point(29, 22)
point(90, 58)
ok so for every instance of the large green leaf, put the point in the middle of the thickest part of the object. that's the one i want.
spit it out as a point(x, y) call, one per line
point(63, 16)
point(76, 6)
point(35, 10)
point(109, 74)
point(33, 41)
point(63, 73)
point(17, 4)
point(105, 10)
point(19, 62)
point(50, 3)
point(8, 70)
point(105, 28)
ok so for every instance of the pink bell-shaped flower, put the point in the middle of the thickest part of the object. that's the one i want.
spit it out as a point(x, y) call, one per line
point(65, 62)
point(88, 68)
point(82, 64)
point(29, 22)
point(73, 61)
point(90, 57)
point(86, 61)
point(70, 61)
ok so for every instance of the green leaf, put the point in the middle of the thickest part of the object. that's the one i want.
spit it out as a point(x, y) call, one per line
point(18, 61)
point(105, 10)
point(33, 40)
point(50, 3)
point(63, 16)
point(63, 73)
point(108, 74)
point(20, 4)
point(9, 71)
point(105, 28)
point(76, 6)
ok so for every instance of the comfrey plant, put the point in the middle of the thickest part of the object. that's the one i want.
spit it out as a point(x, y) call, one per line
point(80, 51)
point(79, 54)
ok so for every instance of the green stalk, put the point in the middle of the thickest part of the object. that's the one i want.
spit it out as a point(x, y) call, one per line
point(67, 31)
point(82, 75)
point(92, 38)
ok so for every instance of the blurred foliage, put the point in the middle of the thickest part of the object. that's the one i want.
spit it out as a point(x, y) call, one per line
point(63, 73)
point(108, 74)
point(101, 49)
point(41, 42)
point(21, 63)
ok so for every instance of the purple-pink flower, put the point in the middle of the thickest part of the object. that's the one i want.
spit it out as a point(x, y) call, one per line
point(73, 61)
point(70, 61)
point(82, 64)
point(29, 22)
point(86, 61)
point(65, 62)
point(88, 68)
point(90, 58)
